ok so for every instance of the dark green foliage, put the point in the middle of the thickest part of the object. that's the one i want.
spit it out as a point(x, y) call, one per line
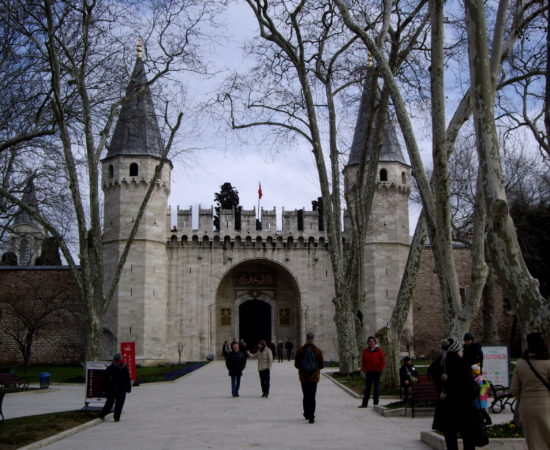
point(227, 198)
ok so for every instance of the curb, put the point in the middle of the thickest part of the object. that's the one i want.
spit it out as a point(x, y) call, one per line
point(437, 442)
point(341, 386)
point(62, 435)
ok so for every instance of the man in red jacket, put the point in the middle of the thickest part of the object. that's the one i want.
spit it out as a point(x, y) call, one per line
point(372, 363)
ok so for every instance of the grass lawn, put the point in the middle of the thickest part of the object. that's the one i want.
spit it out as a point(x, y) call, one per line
point(75, 373)
point(15, 433)
point(356, 382)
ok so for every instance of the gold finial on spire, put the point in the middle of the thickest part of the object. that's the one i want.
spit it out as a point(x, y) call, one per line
point(139, 48)
point(370, 61)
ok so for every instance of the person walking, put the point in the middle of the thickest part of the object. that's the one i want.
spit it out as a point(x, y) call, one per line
point(309, 362)
point(531, 388)
point(280, 351)
point(264, 355)
point(288, 347)
point(472, 353)
point(373, 362)
point(407, 375)
point(116, 382)
point(235, 363)
point(455, 408)
point(225, 349)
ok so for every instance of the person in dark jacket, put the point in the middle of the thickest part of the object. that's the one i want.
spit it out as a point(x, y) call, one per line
point(307, 355)
point(454, 411)
point(288, 347)
point(235, 363)
point(472, 351)
point(280, 351)
point(116, 382)
point(407, 376)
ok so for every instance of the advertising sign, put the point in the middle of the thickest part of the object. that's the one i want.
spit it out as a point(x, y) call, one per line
point(495, 364)
point(94, 382)
point(128, 351)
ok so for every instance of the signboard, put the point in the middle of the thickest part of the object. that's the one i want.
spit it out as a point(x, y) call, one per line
point(94, 381)
point(128, 351)
point(495, 364)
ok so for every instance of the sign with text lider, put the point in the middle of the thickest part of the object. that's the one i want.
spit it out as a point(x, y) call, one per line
point(94, 381)
point(495, 365)
point(128, 352)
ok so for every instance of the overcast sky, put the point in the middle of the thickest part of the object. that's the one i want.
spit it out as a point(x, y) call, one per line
point(287, 175)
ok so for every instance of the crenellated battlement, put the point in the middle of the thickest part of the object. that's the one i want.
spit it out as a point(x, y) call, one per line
point(300, 226)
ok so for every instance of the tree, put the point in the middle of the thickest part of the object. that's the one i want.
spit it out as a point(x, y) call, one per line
point(79, 46)
point(33, 309)
point(435, 219)
point(531, 307)
point(308, 71)
point(227, 198)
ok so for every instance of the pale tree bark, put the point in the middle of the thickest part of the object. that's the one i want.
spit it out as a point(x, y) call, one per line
point(316, 50)
point(490, 318)
point(459, 319)
point(532, 309)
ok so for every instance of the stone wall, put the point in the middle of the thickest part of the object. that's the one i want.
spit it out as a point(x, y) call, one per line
point(62, 340)
point(427, 309)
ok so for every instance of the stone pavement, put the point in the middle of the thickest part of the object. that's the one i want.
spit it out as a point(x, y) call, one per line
point(198, 412)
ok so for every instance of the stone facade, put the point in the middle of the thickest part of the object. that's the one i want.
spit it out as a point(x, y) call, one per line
point(427, 308)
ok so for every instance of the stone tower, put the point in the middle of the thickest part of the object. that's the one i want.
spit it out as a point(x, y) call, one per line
point(138, 310)
point(27, 235)
point(387, 240)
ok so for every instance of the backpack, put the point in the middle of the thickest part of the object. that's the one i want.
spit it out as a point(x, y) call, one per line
point(309, 361)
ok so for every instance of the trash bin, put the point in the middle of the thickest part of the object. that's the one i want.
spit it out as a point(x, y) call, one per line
point(44, 380)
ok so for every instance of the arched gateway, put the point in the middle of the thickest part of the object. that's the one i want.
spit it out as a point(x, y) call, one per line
point(257, 299)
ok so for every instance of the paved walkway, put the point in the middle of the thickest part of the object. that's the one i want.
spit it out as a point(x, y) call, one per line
point(198, 412)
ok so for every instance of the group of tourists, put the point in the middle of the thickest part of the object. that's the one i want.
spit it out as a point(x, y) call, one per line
point(457, 373)
point(464, 391)
point(309, 362)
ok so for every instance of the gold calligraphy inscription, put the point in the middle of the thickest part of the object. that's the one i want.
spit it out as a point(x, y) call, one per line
point(284, 316)
point(226, 317)
point(254, 279)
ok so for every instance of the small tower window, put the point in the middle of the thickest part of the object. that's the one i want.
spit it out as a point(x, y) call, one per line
point(134, 170)
point(403, 178)
point(111, 171)
point(383, 175)
point(24, 252)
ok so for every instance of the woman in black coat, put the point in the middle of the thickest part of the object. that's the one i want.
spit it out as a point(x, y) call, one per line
point(454, 411)
point(235, 363)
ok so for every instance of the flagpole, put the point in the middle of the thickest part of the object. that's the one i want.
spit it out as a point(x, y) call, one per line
point(259, 197)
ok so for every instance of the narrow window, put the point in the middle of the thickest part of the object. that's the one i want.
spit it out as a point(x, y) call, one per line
point(111, 171)
point(403, 178)
point(134, 170)
point(383, 175)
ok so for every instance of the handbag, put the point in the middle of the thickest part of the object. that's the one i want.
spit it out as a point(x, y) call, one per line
point(481, 438)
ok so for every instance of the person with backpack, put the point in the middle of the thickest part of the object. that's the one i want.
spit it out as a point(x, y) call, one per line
point(309, 362)
point(373, 362)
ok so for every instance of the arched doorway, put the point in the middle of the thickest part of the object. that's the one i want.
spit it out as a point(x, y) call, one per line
point(257, 299)
point(255, 321)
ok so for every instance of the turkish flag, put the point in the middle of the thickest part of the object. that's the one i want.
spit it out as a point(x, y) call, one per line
point(260, 193)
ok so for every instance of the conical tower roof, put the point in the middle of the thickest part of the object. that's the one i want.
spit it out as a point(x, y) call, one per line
point(137, 132)
point(29, 198)
point(391, 150)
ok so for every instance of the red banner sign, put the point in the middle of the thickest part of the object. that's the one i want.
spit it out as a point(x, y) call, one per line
point(128, 351)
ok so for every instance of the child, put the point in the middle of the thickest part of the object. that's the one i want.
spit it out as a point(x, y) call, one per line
point(483, 398)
